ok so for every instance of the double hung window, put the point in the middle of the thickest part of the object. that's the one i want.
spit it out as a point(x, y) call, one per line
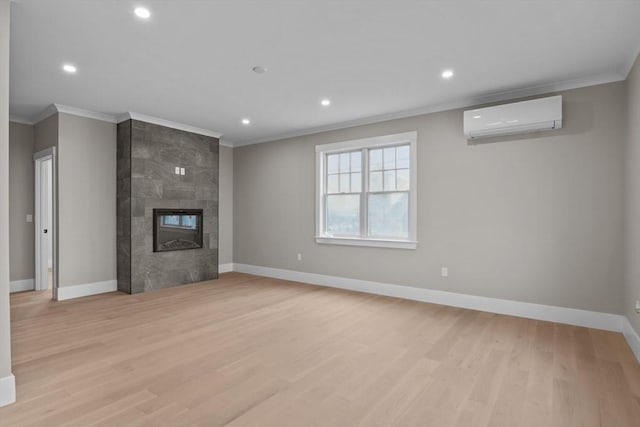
point(366, 192)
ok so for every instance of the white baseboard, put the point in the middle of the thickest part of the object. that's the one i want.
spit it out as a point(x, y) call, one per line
point(571, 316)
point(632, 337)
point(7, 390)
point(225, 268)
point(77, 291)
point(22, 285)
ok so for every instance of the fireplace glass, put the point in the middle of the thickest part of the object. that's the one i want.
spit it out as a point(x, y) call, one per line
point(177, 229)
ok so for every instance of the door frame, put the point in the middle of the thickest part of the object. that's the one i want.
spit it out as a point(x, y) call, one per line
point(40, 279)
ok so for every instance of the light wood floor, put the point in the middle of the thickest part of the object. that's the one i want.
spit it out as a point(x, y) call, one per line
point(251, 351)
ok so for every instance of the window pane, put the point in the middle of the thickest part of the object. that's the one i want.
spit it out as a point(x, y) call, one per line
point(333, 184)
point(375, 181)
point(389, 215)
point(188, 221)
point(344, 182)
point(333, 163)
point(356, 182)
point(343, 214)
point(170, 220)
point(389, 180)
point(344, 162)
point(402, 157)
point(390, 158)
point(375, 160)
point(402, 179)
point(356, 161)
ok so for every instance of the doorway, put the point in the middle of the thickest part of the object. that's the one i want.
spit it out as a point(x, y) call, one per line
point(45, 222)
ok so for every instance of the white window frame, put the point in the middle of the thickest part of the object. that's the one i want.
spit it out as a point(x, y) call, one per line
point(410, 138)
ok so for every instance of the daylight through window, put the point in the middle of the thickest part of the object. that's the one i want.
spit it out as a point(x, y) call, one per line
point(366, 191)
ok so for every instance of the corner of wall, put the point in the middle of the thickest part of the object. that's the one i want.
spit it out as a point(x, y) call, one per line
point(226, 199)
point(7, 381)
point(631, 285)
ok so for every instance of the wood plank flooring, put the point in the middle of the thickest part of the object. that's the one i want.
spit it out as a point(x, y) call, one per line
point(250, 351)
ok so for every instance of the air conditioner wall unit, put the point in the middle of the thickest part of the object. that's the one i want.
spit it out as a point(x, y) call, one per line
point(509, 119)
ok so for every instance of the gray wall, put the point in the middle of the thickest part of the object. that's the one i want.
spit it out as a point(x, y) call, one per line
point(86, 200)
point(535, 219)
point(46, 133)
point(5, 330)
point(225, 253)
point(632, 277)
point(21, 200)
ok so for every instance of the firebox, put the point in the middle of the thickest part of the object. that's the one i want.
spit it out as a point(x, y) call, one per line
point(177, 229)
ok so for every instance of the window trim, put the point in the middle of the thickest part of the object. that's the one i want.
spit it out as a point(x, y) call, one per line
point(374, 142)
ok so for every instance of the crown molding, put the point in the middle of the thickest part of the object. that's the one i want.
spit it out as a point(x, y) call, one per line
point(60, 108)
point(227, 143)
point(16, 119)
point(461, 103)
point(167, 123)
point(111, 118)
point(85, 113)
point(501, 96)
point(630, 63)
point(49, 111)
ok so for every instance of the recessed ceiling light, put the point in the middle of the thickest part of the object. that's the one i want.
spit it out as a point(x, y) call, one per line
point(71, 69)
point(447, 74)
point(246, 122)
point(142, 12)
point(259, 69)
point(325, 102)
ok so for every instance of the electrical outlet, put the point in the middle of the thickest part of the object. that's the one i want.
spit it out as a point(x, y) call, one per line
point(637, 306)
point(29, 218)
point(299, 257)
point(444, 272)
point(177, 170)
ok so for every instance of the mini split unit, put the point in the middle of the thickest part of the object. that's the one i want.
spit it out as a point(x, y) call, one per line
point(509, 119)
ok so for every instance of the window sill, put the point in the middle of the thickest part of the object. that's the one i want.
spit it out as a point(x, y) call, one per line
point(376, 243)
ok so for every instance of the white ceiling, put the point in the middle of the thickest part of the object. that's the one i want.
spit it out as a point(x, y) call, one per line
point(191, 62)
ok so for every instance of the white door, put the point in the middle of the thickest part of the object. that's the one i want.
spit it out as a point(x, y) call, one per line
point(44, 221)
point(45, 225)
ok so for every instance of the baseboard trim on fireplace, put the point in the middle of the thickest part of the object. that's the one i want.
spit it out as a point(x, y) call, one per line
point(86, 289)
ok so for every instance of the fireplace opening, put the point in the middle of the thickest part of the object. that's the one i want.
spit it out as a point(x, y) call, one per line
point(177, 229)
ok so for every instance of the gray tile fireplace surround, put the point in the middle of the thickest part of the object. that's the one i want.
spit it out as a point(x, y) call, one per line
point(147, 157)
